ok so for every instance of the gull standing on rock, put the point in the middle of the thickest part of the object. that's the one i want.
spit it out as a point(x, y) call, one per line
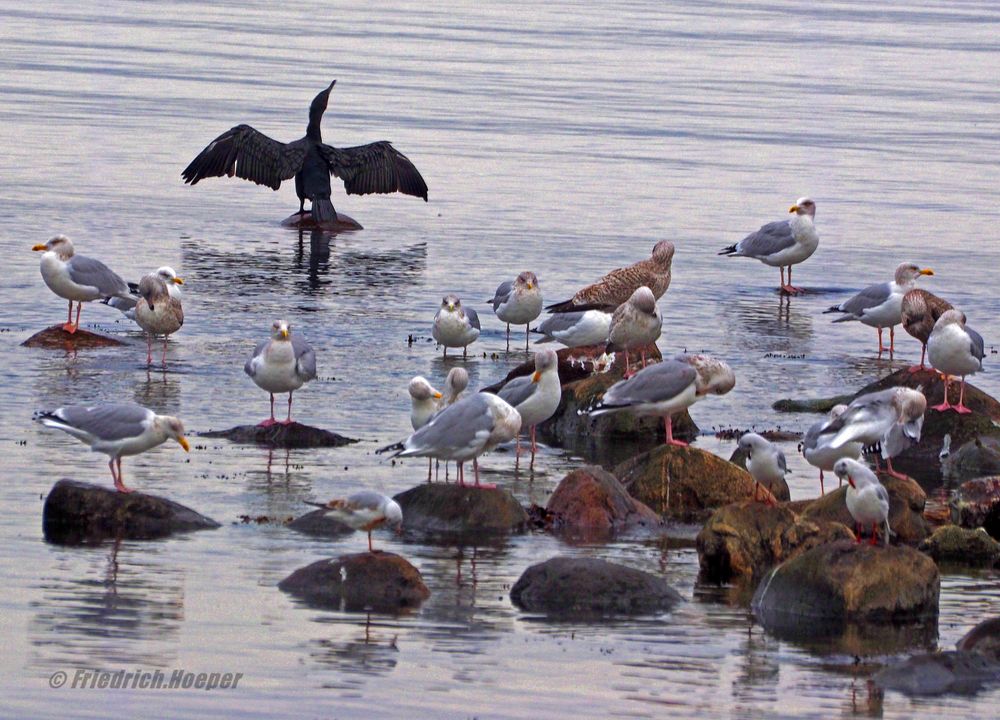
point(116, 429)
point(881, 305)
point(765, 461)
point(535, 397)
point(575, 329)
point(282, 364)
point(364, 510)
point(635, 324)
point(816, 447)
point(158, 313)
point(867, 498)
point(77, 278)
point(454, 326)
point(424, 401)
point(783, 243)
point(919, 311)
point(127, 305)
point(519, 303)
point(954, 348)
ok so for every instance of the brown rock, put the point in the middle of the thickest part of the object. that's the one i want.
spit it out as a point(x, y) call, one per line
point(294, 435)
point(984, 639)
point(590, 501)
point(444, 509)
point(380, 581)
point(976, 503)
point(55, 338)
point(305, 221)
point(319, 524)
point(952, 544)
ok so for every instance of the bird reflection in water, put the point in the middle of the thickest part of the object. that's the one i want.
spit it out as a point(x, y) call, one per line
point(372, 654)
point(317, 265)
point(873, 699)
point(270, 461)
point(472, 569)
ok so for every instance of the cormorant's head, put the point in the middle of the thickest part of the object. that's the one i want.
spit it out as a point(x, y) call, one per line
point(319, 102)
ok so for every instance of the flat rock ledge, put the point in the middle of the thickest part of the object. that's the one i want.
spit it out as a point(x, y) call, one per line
point(55, 338)
point(293, 436)
point(589, 587)
point(82, 513)
point(592, 504)
point(460, 510)
point(377, 581)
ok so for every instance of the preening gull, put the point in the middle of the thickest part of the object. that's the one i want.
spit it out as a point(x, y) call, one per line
point(816, 447)
point(518, 303)
point(919, 311)
point(364, 510)
point(127, 305)
point(766, 462)
point(77, 278)
point(881, 305)
point(536, 396)
point(618, 285)
point(954, 348)
point(455, 326)
point(783, 243)
point(282, 364)
point(635, 324)
point(867, 499)
point(576, 328)
point(424, 403)
point(158, 313)
point(454, 385)
point(116, 429)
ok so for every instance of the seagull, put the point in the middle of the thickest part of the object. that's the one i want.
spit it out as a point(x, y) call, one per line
point(463, 431)
point(158, 313)
point(867, 498)
point(423, 405)
point(782, 243)
point(817, 451)
point(535, 397)
point(116, 429)
point(454, 326)
point(881, 305)
point(765, 461)
point(618, 285)
point(954, 348)
point(127, 305)
point(576, 328)
point(76, 277)
point(919, 311)
point(282, 364)
point(635, 324)
point(364, 510)
point(518, 302)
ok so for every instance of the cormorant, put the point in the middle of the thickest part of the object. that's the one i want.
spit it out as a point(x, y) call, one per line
point(249, 154)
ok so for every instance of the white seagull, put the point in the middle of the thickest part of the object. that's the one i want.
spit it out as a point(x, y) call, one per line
point(867, 498)
point(765, 461)
point(577, 328)
point(364, 510)
point(158, 313)
point(518, 303)
point(282, 364)
point(424, 403)
point(635, 324)
point(954, 348)
point(535, 397)
point(816, 447)
point(455, 326)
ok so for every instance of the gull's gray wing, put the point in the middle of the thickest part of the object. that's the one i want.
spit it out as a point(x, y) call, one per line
point(977, 346)
point(473, 318)
point(870, 297)
point(864, 414)
point(811, 439)
point(106, 421)
point(656, 383)
point(769, 240)
point(368, 499)
point(464, 425)
point(560, 322)
point(883, 494)
point(517, 390)
point(93, 273)
point(782, 462)
point(248, 154)
point(257, 352)
point(502, 295)
point(305, 357)
point(377, 167)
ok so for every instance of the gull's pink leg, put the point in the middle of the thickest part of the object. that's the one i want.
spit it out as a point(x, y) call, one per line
point(534, 446)
point(271, 421)
point(874, 534)
point(163, 359)
point(892, 340)
point(921, 366)
point(893, 473)
point(117, 477)
point(68, 326)
point(821, 490)
point(783, 287)
point(857, 533)
point(288, 420)
point(881, 348)
point(668, 424)
point(960, 408)
point(628, 372)
point(430, 464)
point(517, 450)
point(475, 467)
point(149, 349)
point(945, 405)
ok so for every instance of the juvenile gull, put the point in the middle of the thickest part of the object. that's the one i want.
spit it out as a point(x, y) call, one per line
point(881, 305)
point(919, 311)
point(282, 364)
point(535, 397)
point(364, 510)
point(116, 429)
point(867, 499)
point(158, 313)
point(518, 302)
point(424, 401)
point(954, 348)
point(635, 324)
point(76, 277)
point(816, 447)
point(783, 243)
point(454, 385)
point(618, 285)
point(765, 461)
point(454, 326)
point(576, 328)
point(127, 305)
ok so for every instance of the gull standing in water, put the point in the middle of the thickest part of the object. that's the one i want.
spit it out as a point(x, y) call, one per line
point(116, 429)
point(454, 326)
point(364, 510)
point(158, 313)
point(423, 405)
point(918, 312)
point(576, 328)
point(954, 348)
point(518, 302)
point(867, 498)
point(535, 397)
point(765, 462)
point(817, 451)
point(635, 324)
point(77, 278)
point(282, 364)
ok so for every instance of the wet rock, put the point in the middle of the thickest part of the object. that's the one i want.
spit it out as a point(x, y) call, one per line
point(979, 457)
point(77, 512)
point(944, 673)
point(294, 435)
point(953, 544)
point(564, 586)
point(747, 539)
point(906, 508)
point(778, 488)
point(685, 483)
point(591, 502)
point(976, 503)
point(441, 509)
point(984, 639)
point(55, 338)
point(319, 524)
point(846, 581)
point(811, 405)
point(379, 581)
point(305, 221)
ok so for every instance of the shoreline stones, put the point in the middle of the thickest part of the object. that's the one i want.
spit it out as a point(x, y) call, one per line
point(591, 502)
point(952, 544)
point(460, 510)
point(82, 513)
point(55, 338)
point(293, 436)
point(976, 503)
point(379, 581)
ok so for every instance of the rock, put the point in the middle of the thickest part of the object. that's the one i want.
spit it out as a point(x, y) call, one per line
point(976, 503)
point(379, 581)
point(590, 501)
point(843, 581)
point(441, 509)
point(294, 435)
point(747, 539)
point(564, 586)
point(939, 674)
point(953, 544)
point(55, 338)
point(685, 483)
point(778, 488)
point(319, 524)
point(979, 457)
point(811, 405)
point(984, 639)
point(906, 508)
point(574, 364)
point(77, 512)
point(305, 221)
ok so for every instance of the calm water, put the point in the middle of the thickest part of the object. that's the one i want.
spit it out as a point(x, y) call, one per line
point(567, 139)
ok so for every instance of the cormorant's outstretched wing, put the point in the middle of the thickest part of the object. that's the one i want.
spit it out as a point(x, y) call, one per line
point(374, 168)
point(248, 154)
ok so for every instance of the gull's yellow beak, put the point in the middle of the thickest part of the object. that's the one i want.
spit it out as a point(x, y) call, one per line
point(178, 281)
point(437, 396)
point(793, 208)
point(42, 248)
point(536, 376)
point(926, 271)
point(184, 443)
point(531, 286)
point(284, 334)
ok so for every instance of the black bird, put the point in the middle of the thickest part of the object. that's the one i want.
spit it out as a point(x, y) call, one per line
point(246, 153)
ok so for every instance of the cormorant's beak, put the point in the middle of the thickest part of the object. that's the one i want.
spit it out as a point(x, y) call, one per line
point(178, 281)
point(184, 443)
point(40, 248)
point(793, 208)
point(331, 85)
point(437, 396)
point(926, 271)
point(536, 376)
point(284, 333)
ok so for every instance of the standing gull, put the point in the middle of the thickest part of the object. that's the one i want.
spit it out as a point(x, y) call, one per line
point(576, 328)
point(816, 447)
point(116, 429)
point(954, 348)
point(77, 278)
point(765, 462)
point(423, 404)
point(635, 324)
point(881, 305)
point(158, 313)
point(282, 364)
point(867, 499)
point(127, 305)
point(535, 397)
point(518, 302)
point(783, 243)
point(454, 326)
point(919, 311)
point(364, 510)
point(618, 285)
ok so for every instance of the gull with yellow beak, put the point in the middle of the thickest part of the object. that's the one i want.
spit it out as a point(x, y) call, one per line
point(424, 403)
point(519, 303)
point(783, 243)
point(77, 278)
point(282, 364)
point(455, 326)
point(116, 429)
point(535, 397)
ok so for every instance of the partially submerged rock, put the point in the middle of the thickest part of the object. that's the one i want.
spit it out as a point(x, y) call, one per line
point(463, 510)
point(984, 639)
point(978, 457)
point(564, 586)
point(77, 512)
point(906, 509)
point(591, 502)
point(305, 221)
point(976, 503)
point(379, 581)
point(952, 544)
point(55, 338)
point(943, 673)
point(319, 523)
point(811, 405)
point(294, 435)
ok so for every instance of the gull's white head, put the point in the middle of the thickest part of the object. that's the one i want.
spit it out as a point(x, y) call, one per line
point(910, 404)
point(527, 280)
point(643, 301)
point(451, 303)
point(169, 276)
point(951, 317)
point(456, 383)
point(804, 206)
point(908, 272)
point(173, 428)
point(751, 443)
point(544, 360)
point(393, 513)
point(714, 376)
point(421, 390)
point(280, 330)
point(60, 244)
point(857, 474)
